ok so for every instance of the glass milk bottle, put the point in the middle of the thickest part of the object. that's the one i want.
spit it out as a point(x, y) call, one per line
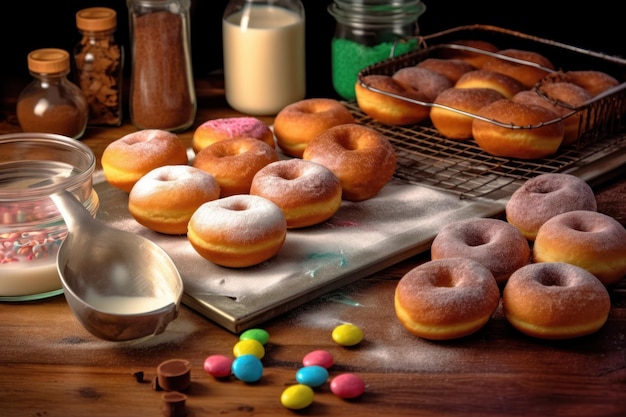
point(264, 55)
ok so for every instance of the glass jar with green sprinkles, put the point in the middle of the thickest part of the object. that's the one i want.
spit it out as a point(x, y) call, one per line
point(369, 31)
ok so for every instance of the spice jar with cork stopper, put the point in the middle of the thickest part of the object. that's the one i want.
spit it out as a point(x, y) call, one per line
point(51, 103)
point(99, 63)
point(162, 92)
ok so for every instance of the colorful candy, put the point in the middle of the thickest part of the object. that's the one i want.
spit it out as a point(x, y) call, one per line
point(247, 368)
point(219, 366)
point(313, 376)
point(297, 397)
point(347, 334)
point(318, 357)
point(249, 346)
point(260, 335)
point(347, 386)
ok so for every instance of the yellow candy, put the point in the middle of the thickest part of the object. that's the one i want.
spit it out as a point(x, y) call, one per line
point(297, 397)
point(249, 347)
point(347, 334)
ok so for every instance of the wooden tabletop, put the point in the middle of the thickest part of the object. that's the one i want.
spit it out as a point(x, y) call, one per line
point(51, 366)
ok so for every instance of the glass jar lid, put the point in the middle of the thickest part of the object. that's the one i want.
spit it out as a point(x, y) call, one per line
point(376, 12)
point(49, 60)
point(96, 19)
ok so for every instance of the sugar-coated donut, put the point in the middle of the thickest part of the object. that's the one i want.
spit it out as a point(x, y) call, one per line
point(452, 69)
point(215, 130)
point(387, 109)
point(555, 300)
point(446, 298)
point(234, 162)
point(298, 123)
point(496, 244)
point(595, 82)
point(455, 125)
point(543, 197)
point(533, 68)
point(306, 192)
point(591, 240)
point(530, 140)
point(129, 158)
point(237, 231)
point(422, 80)
point(476, 59)
point(165, 198)
point(363, 159)
point(502, 83)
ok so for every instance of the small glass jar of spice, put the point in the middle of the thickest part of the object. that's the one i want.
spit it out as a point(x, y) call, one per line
point(51, 103)
point(367, 32)
point(99, 63)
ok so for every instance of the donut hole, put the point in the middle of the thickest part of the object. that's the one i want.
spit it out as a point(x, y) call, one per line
point(237, 206)
point(551, 278)
point(445, 280)
point(476, 239)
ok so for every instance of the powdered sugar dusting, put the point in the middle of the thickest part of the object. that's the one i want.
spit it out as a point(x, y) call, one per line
point(238, 126)
point(170, 177)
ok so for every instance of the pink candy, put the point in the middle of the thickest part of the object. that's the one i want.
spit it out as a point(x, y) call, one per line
point(347, 386)
point(219, 366)
point(321, 358)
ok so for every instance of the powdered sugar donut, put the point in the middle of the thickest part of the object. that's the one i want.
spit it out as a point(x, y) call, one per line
point(165, 198)
point(306, 192)
point(237, 231)
point(228, 128)
point(496, 244)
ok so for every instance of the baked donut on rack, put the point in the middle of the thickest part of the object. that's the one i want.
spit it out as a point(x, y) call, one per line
point(306, 192)
point(452, 69)
point(215, 130)
point(496, 244)
point(591, 240)
point(237, 231)
point(531, 68)
point(474, 58)
point(446, 298)
point(298, 123)
point(422, 80)
point(234, 162)
point(555, 300)
point(502, 83)
point(595, 82)
point(164, 199)
point(362, 158)
point(527, 135)
point(543, 197)
point(129, 158)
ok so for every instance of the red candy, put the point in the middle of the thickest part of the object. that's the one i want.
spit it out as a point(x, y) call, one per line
point(347, 386)
point(219, 366)
point(321, 358)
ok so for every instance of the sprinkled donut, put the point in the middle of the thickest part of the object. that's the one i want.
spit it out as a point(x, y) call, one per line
point(165, 198)
point(237, 231)
point(496, 244)
point(228, 128)
point(306, 192)
point(555, 300)
point(446, 298)
point(543, 197)
point(588, 239)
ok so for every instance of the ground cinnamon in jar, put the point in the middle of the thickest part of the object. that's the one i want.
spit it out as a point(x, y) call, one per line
point(162, 91)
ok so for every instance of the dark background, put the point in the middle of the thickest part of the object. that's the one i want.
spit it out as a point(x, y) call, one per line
point(597, 25)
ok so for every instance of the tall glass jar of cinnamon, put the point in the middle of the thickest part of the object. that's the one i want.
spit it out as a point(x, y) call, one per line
point(51, 103)
point(99, 63)
point(162, 92)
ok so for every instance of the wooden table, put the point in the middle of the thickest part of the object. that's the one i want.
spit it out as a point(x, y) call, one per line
point(51, 366)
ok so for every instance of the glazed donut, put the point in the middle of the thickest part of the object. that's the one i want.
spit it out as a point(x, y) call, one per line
point(530, 141)
point(476, 59)
point(129, 158)
point(543, 197)
point(233, 163)
point(228, 128)
point(533, 69)
point(363, 159)
point(387, 109)
point(452, 69)
point(298, 123)
point(446, 298)
point(422, 80)
point(502, 83)
point(496, 244)
point(595, 82)
point(165, 198)
point(555, 300)
point(455, 125)
point(588, 239)
point(237, 231)
point(306, 192)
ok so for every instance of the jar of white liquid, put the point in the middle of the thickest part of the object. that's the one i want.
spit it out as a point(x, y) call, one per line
point(264, 55)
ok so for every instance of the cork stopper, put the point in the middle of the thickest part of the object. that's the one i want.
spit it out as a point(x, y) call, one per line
point(96, 19)
point(49, 60)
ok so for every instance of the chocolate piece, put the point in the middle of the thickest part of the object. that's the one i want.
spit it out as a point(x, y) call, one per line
point(174, 374)
point(173, 404)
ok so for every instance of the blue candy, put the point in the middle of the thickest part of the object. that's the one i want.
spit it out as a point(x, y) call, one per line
point(248, 368)
point(313, 375)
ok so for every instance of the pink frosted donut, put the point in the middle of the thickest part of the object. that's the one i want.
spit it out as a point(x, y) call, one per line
point(543, 197)
point(228, 128)
point(588, 239)
point(237, 231)
point(496, 244)
point(165, 198)
point(446, 298)
point(555, 301)
point(306, 192)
